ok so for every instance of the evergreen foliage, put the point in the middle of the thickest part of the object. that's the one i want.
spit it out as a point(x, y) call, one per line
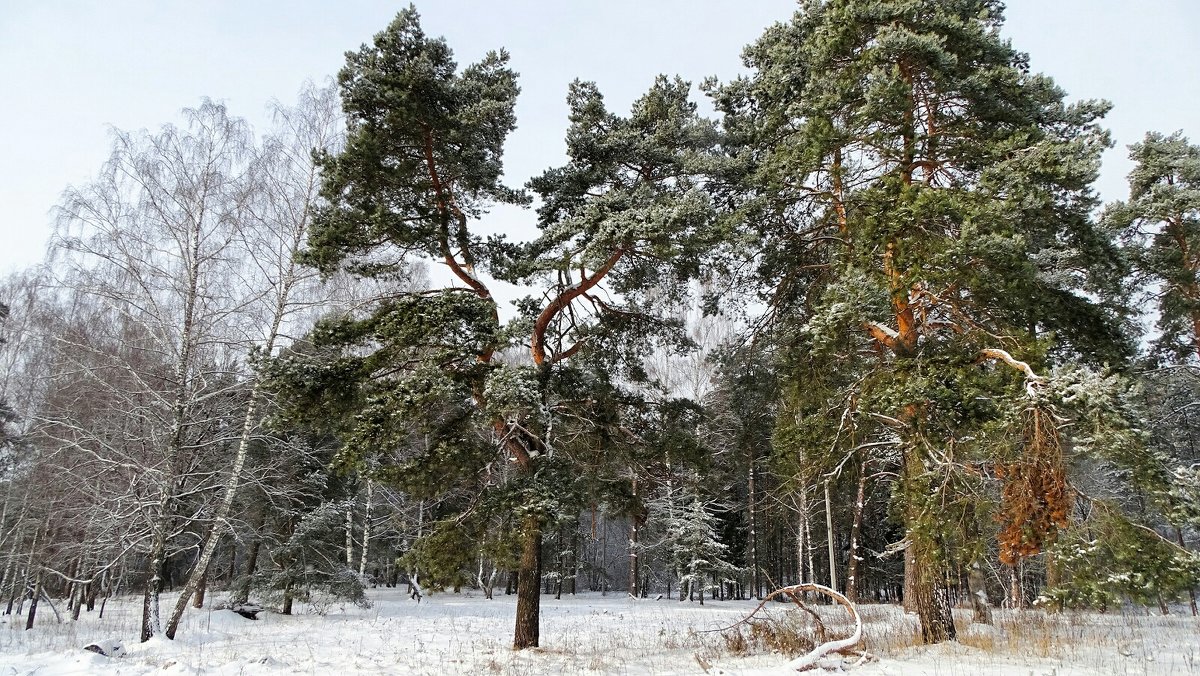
point(308, 562)
point(924, 202)
point(1159, 227)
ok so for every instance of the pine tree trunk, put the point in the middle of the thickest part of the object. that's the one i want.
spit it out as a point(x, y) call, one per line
point(1053, 574)
point(561, 570)
point(910, 572)
point(852, 569)
point(529, 590)
point(927, 588)
point(930, 597)
point(604, 558)
point(576, 544)
point(1191, 590)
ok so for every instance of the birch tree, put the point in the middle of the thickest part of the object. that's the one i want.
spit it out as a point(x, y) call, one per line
point(269, 236)
point(152, 240)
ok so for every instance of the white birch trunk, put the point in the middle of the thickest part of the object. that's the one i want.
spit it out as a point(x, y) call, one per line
point(317, 126)
point(350, 536)
point(366, 537)
point(829, 538)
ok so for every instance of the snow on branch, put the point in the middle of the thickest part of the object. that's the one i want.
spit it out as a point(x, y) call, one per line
point(1032, 380)
point(886, 335)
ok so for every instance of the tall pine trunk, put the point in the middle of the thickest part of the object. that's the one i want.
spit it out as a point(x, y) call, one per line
point(930, 599)
point(529, 585)
point(1191, 590)
point(910, 576)
point(561, 569)
point(852, 567)
point(977, 585)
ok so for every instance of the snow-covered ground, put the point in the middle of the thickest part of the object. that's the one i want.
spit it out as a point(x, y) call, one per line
point(589, 633)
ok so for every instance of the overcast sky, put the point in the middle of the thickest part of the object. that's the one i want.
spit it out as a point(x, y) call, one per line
point(74, 68)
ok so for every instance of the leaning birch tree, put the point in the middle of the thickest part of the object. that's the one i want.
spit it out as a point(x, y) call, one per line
point(270, 236)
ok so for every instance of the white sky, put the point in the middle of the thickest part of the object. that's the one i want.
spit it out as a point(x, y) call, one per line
point(74, 68)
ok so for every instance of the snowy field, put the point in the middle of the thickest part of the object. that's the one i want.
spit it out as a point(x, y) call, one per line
point(465, 634)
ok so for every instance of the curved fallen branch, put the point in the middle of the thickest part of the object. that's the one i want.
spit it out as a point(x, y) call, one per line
point(829, 646)
point(825, 647)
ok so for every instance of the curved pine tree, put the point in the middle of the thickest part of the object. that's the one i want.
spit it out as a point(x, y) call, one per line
point(623, 225)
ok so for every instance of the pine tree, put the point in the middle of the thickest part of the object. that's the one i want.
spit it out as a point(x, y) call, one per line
point(1159, 226)
point(422, 370)
point(925, 205)
point(742, 410)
